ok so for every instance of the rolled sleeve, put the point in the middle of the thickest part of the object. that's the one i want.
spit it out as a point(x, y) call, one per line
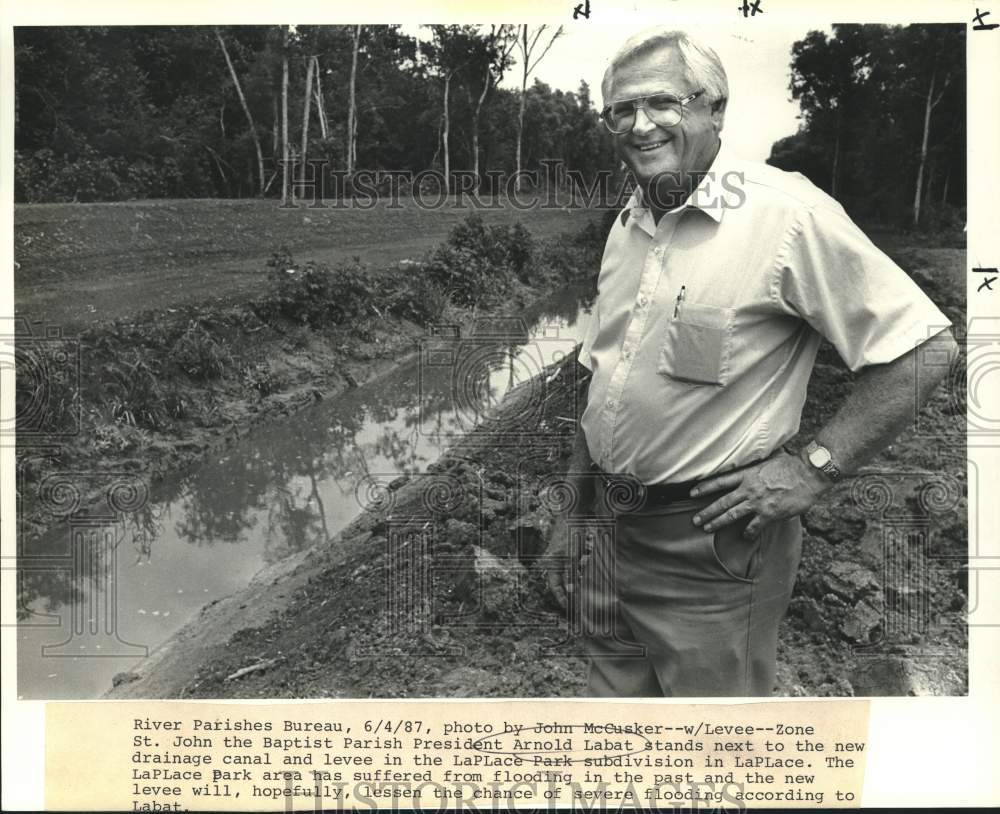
point(831, 275)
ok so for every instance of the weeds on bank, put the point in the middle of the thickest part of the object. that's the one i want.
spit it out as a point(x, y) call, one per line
point(137, 394)
point(148, 375)
point(478, 265)
point(314, 294)
point(46, 386)
point(261, 379)
point(199, 354)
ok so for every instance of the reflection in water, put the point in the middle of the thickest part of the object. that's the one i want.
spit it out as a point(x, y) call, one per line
point(284, 488)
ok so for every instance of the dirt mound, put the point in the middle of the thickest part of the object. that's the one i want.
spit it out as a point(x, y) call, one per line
point(437, 590)
point(441, 594)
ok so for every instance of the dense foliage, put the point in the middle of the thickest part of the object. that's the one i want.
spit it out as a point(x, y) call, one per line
point(315, 294)
point(883, 112)
point(112, 113)
point(478, 265)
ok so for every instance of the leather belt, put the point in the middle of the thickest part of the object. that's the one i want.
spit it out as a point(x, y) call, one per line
point(625, 494)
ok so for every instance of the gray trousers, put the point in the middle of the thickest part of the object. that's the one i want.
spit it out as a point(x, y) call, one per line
point(670, 610)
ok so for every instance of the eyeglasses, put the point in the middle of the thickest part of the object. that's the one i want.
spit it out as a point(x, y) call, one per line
point(663, 109)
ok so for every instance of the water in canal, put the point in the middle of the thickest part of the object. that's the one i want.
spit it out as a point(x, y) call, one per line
point(131, 580)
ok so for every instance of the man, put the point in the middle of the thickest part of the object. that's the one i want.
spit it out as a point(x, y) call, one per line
point(719, 281)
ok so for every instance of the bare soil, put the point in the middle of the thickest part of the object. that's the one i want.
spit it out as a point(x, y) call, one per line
point(79, 265)
point(438, 590)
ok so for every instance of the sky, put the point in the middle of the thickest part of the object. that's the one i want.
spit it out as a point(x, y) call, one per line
point(760, 109)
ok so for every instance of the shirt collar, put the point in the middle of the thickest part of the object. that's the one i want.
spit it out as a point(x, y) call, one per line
point(710, 196)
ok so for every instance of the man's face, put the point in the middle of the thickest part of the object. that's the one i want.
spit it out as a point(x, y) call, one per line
point(650, 149)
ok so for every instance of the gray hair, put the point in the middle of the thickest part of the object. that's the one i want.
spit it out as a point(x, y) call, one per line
point(703, 66)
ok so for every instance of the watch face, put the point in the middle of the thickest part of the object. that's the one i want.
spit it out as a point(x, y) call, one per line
point(820, 457)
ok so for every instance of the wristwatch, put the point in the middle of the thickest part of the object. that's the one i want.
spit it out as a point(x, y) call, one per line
point(820, 457)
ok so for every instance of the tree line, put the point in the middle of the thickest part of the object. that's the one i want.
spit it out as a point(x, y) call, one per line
point(883, 121)
point(105, 113)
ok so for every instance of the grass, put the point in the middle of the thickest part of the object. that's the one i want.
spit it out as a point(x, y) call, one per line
point(80, 264)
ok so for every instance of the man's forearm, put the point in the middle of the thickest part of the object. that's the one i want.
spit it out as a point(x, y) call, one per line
point(883, 402)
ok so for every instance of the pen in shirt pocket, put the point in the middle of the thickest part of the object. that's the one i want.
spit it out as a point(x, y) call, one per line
point(680, 296)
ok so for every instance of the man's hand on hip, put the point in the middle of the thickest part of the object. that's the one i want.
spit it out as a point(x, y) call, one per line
point(780, 487)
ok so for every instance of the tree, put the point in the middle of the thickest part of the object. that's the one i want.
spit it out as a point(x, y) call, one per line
point(285, 157)
point(352, 105)
point(825, 73)
point(307, 92)
point(931, 103)
point(110, 113)
point(246, 111)
point(395, 118)
point(324, 127)
point(451, 50)
point(887, 102)
point(935, 56)
point(487, 64)
point(528, 43)
point(797, 153)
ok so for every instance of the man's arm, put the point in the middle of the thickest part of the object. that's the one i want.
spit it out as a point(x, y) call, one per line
point(881, 404)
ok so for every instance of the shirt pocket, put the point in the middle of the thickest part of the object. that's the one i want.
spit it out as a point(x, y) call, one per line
point(698, 344)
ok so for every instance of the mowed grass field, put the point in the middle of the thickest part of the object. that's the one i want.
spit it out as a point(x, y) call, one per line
point(79, 264)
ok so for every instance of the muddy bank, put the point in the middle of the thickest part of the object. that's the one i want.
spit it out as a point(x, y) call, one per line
point(336, 622)
point(272, 372)
point(184, 453)
point(153, 394)
point(437, 589)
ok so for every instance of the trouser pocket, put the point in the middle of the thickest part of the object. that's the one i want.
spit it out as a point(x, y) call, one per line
point(738, 557)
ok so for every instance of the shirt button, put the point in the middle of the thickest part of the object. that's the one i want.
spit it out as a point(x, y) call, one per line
point(611, 404)
point(658, 251)
point(643, 301)
point(627, 353)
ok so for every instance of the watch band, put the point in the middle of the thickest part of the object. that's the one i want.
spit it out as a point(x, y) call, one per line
point(828, 468)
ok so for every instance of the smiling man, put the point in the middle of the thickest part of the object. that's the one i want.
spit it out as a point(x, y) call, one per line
point(718, 283)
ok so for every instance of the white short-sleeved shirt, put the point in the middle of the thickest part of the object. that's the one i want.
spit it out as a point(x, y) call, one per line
point(706, 325)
